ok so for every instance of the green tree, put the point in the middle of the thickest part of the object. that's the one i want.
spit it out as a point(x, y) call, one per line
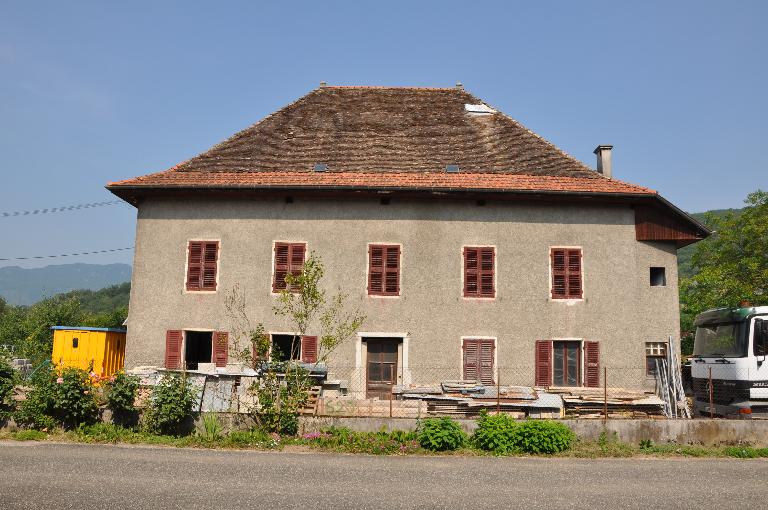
point(731, 266)
point(55, 311)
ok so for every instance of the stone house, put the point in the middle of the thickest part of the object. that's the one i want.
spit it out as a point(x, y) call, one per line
point(475, 248)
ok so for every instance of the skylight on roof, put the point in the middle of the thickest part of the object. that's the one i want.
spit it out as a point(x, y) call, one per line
point(479, 109)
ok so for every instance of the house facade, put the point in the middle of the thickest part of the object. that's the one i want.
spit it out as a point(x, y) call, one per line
point(476, 249)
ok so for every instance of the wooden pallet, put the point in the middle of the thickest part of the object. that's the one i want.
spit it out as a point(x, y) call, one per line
point(310, 408)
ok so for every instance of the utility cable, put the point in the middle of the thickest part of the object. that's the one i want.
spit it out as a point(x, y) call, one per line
point(65, 208)
point(67, 254)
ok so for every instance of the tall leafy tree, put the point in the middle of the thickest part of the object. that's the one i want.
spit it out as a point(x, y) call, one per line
point(731, 265)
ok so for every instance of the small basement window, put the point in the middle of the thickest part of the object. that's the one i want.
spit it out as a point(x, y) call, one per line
point(198, 347)
point(654, 351)
point(658, 277)
point(285, 347)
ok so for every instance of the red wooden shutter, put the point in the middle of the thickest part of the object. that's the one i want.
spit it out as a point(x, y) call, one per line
point(566, 273)
point(210, 262)
point(383, 270)
point(478, 360)
point(281, 267)
point(392, 276)
point(309, 349)
point(173, 341)
point(592, 364)
point(471, 358)
point(471, 284)
point(486, 362)
point(194, 265)
point(574, 273)
point(297, 259)
point(202, 263)
point(375, 269)
point(479, 272)
point(486, 272)
point(220, 348)
point(543, 363)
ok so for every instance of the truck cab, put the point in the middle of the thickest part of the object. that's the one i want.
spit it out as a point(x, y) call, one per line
point(728, 366)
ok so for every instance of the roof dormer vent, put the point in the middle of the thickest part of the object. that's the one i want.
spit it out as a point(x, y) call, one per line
point(452, 169)
point(320, 167)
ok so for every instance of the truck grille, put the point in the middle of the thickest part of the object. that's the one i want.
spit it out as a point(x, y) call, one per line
point(723, 392)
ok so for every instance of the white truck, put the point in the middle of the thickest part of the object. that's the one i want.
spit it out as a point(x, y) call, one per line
point(728, 367)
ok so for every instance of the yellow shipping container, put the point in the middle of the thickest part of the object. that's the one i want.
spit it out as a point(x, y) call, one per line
point(79, 347)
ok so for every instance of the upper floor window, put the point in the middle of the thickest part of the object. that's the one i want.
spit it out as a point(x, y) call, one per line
point(202, 265)
point(383, 270)
point(289, 259)
point(566, 273)
point(479, 268)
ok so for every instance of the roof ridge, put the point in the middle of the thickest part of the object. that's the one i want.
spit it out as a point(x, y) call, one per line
point(381, 87)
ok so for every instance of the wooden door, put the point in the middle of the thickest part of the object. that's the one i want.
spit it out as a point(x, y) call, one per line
point(381, 372)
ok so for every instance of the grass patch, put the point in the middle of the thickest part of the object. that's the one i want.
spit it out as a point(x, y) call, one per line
point(29, 435)
point(344, 440)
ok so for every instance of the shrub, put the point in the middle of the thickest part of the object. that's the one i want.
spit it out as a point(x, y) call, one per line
point(540, 436)
point(120, 393)
point(74, 398)
point(7, 382)
point(37, 410)
point(440, 434)
point(171, 405)
point(496, 433)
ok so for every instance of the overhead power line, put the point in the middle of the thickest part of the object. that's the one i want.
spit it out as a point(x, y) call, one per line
point(67, 254)
point(65, 208)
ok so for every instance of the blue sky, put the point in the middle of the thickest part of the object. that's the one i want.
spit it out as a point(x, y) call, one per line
point(98, 91)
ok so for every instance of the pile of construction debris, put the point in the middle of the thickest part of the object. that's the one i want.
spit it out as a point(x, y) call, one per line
point(621, 403)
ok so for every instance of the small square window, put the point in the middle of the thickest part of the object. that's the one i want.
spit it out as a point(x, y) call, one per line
point(74, 342)
point(654, 351)
point(658, 277)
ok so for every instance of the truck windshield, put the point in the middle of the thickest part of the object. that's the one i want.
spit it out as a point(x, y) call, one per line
point(724, 339)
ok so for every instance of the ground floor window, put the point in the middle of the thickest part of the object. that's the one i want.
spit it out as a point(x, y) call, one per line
point(654, 351)
point(285, 347)
point(198, 348)
point(566, 363)
point(478, 354)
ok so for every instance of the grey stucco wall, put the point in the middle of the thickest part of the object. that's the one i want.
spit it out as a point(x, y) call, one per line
point(620, 309)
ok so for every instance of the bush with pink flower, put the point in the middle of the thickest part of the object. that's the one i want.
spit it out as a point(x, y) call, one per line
point(65, 397)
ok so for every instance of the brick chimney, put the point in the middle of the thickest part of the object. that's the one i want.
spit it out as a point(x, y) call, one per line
point(604, 159)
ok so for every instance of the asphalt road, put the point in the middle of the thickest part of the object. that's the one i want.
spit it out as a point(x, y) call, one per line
point(65, 476)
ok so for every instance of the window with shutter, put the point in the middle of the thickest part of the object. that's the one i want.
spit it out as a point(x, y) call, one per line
point(479, 268)
point(220, 348)
point(202, 265)
point(173, 341)
point(383, 270)
point(566, 273)
point(478, 360)
point(289, 259)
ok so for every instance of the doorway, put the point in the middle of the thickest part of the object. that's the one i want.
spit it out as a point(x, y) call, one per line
point(381, 369)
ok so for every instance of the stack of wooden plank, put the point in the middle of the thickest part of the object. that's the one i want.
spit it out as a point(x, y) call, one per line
point(622, 403)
